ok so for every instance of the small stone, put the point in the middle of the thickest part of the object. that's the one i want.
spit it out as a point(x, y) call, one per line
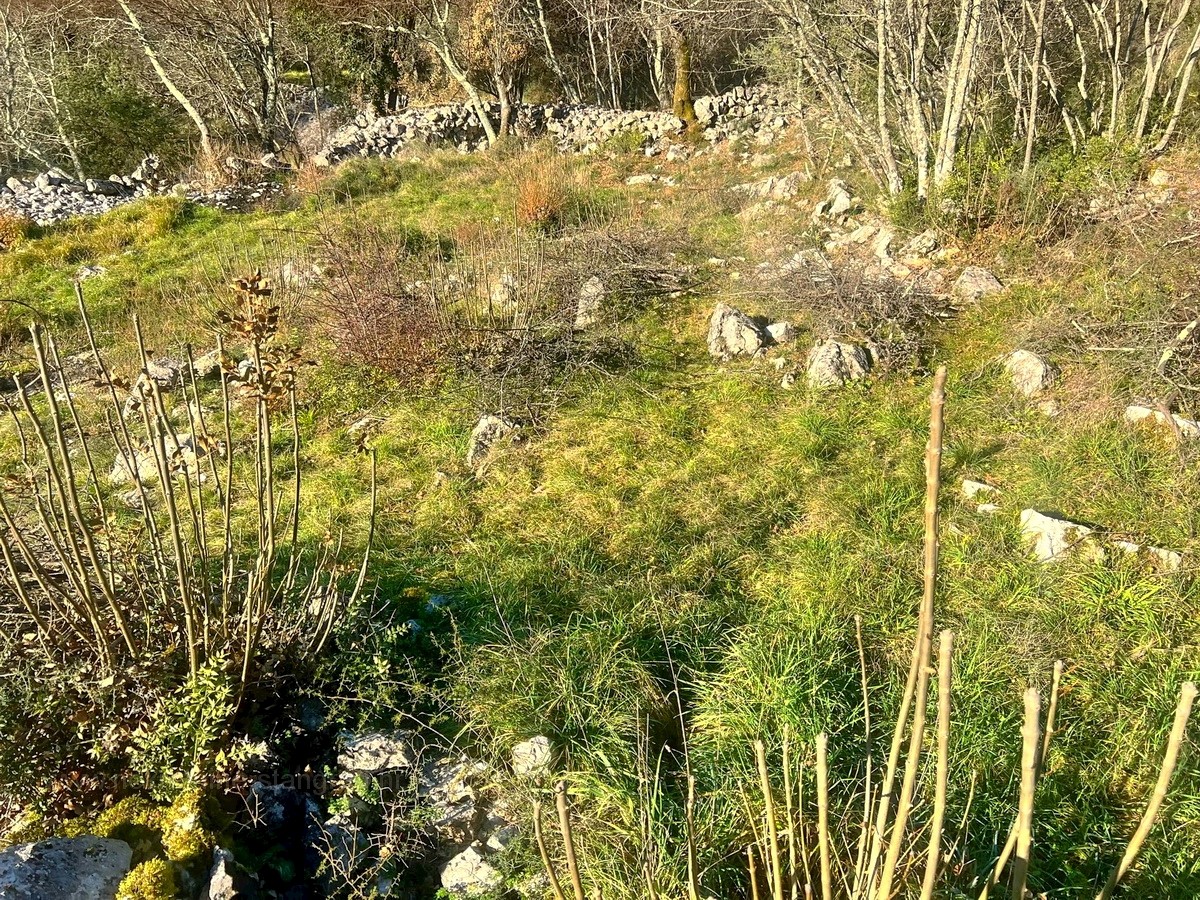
point(469, 874)
point(591, 298)
point(227, 880)
point(1165, 560)
point(923, 245)
point(207, 365)
point(532, 758)
point(976, 283)
point(1030, 373)
point(86, 272)
point(782, 332)
point(833, 363)
point(1052, 539)
point(503, 295)
point(487, 432)
point(1137, 413)
point(500, 833)
point(977, 489)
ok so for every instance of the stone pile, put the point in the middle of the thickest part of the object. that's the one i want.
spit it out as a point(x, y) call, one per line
point(575, 128)
point(760, 110)
point(53, 197)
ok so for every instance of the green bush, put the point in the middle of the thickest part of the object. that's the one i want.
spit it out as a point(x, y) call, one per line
point(115, 122)
point(152, 880)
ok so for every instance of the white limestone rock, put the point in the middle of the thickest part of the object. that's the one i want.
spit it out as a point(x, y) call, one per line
point(733, 333)
point(1031, 374)
point(82, 868)
point(976, 283)
point(833, 363)
point(1052, 539)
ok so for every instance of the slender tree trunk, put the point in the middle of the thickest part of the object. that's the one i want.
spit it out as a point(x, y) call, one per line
point(1183, 80)
point(887, 151)
point(570, 91)
point(169, 83)
point(1035, 81)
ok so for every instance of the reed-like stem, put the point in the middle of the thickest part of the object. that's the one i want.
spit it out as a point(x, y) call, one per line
point(760, 756)
point(933, 856)
point(1030, 744)
point(540, 838)
point(564, 825)
point(1187, 696)
point(919, 663)
point(823, 816)
point(692, 861)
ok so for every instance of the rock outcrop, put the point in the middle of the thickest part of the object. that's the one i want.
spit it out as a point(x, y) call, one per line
point(82, 868)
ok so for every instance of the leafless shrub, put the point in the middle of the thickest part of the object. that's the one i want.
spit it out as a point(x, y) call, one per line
point(850, 302)
point(81, 581)
point(498, 307)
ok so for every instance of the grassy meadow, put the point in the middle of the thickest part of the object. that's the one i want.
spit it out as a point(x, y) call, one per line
point(668, 564)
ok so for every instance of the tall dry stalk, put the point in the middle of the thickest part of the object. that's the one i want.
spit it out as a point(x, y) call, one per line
point(540, 839)
point(68, 560)
point(917, 688)
point(760, 755)
point(1030, 742)
point(564, 825)
point(823, 837)
point(1183, 711)
point(933, 857)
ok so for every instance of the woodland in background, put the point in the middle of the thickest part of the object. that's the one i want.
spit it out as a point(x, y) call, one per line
point(923, 91)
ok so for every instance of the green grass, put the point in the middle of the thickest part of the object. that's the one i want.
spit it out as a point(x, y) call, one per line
point(687, 533)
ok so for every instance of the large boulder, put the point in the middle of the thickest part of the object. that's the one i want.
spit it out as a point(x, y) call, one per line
point(733, 333)
point(82, 868)
point(834, 363)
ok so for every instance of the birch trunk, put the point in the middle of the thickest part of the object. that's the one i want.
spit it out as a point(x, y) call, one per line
point(1035, 80)
point(188, 107)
